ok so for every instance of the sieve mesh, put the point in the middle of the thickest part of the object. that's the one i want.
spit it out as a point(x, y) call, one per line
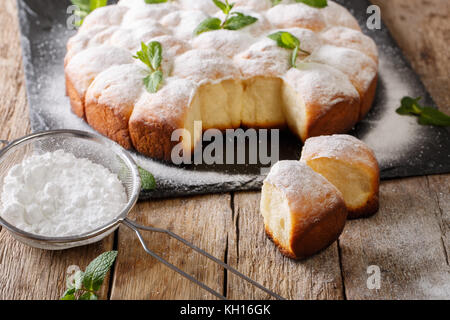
point(82, 145)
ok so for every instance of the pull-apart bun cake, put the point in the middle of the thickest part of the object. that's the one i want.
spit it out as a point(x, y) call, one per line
point(224, 78)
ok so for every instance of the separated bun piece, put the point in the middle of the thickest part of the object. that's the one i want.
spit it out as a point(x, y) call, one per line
point(351, 166)
point(303, 212)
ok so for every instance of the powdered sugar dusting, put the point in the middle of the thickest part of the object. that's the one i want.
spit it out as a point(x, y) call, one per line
point(303, 187)
point(213, 56)
point(341, 147)
point(359, 67)
point(320, 84)
point(400, 131)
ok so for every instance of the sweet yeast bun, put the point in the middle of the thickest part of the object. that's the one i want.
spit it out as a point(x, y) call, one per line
point(319, 99)
point(303, 212)
point(351, 166)
point(232, 78)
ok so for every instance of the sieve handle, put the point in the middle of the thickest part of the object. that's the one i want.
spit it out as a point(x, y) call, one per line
point(136, 227)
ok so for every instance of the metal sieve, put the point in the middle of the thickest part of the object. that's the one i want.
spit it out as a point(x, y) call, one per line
point(110, 155)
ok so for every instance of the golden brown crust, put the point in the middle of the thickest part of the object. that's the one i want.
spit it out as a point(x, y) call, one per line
point(76, 101)
point(368, 97)
point(303, 212)
point(284, 251)
point(340, 118)
point(353, 152)
point(322, 234)
point(305, 242)
point(152, 138)
point(369, 209)
point(112, 123)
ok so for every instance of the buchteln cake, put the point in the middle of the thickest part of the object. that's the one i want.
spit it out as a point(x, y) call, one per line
point(224, 78)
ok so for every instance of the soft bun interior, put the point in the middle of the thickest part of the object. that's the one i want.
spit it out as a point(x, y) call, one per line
point(276, 213)
point(353, 182)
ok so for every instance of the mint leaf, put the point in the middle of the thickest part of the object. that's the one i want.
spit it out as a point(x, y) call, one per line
point(233, 20)
point(94, 4)
point(434, 117)
point(143, 56)
point(288, 41)
point(238, 21)
point(83, 5)
point(285, 40)
point(69, 294)
point(208, 24)
point(294, 57)
point(88, 296)
point(314, 3)
point(155, 1)
point(427, 115)
point(275, 2)
point(96, 271)
point(222, 6)
point(155, 54)
point(148, 181)
point(153, 81)
point(410, 105)
point(87, 6)
point(151, 56)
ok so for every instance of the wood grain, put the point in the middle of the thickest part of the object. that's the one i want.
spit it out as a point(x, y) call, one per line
point(14, 121)
point(422, 30)
point(404, 240)
point(203, 221)
point(440, 188)
point(252, 253)
point(409, 238)
point(28, 273)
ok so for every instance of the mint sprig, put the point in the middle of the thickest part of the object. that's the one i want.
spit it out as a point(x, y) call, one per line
point(288, 41)
point(84, 285)
point(232, 21)
point(155, 1)
point(151, 55)
point(314, 3)
point(147, 179)
point(427, 115)
point(87, 6)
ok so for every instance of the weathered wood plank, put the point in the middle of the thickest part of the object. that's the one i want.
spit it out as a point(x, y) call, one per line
point(404, 240)
point(253, 254)
point(28, 273)
point(408, 238)
point(440, 187)
point(202, 221)
point(421, 28)
point(14, 121)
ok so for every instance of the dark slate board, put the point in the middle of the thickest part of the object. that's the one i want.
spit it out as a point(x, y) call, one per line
point(403, 147)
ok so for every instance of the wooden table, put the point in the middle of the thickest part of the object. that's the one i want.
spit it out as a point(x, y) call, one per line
point(409, 239)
